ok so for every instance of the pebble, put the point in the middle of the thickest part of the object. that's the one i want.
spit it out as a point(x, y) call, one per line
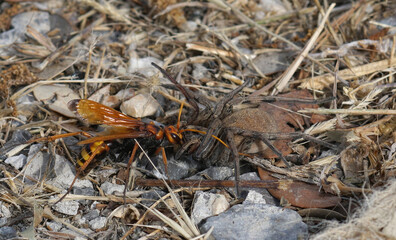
point(54, 226)
point(4, 211)
point(200, 72)
point(17, 161)
point(206, 205)
point(67, 207)
point(141, 105)
point(143, 65)
point(215, 173)
point(97, 223)
point(35, 19)
point(37, 161)
point(7, 233)
point(151, 197)
point(92, 214)
point(256, 221)
point(65, 173)
point(252, 176)
point(125, 94)
point(254, 197)
point(111, 188)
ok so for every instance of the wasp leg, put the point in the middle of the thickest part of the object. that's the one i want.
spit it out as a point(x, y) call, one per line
point(130, 161)
point(98, 149)
point(53, 138)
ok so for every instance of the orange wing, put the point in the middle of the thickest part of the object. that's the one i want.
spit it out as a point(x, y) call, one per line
point(136, 134)
point(96, 113)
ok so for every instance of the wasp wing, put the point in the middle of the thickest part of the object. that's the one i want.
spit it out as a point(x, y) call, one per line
point(96, 113)
point(143, 134)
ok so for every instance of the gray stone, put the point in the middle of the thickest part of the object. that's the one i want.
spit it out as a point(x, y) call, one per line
point(4, 211)
point(37, 163)
point(38, 20)
point(16, 161)
point(97, 223)
point(67, 207)
point(143, 65)
point(7, 233)
point(254, 197)
point(176, 169)
point(206, 205)
point(252, 176)
point(105, 174)
point(84, 191)
point(3, 221)
point(92, 214)
point(65, 173)
point(148, 198)
point(111, 188)
point(54, 226)
point(215, 173)
point(256, 221)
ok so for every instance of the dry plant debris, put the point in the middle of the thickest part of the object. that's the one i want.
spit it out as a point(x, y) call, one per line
point(299, 81)
point(375, 220)
point(15, 75)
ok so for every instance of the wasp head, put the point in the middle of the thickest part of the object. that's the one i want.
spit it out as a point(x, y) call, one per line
point(173, 135)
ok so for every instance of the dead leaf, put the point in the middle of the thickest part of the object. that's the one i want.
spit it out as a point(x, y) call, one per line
point(300, 194)
point(352, 163)
point(277, 117)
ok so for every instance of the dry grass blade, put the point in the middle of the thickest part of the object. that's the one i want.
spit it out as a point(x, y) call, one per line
point(173, 224)
point(324, 81)
point(185, 226)
point(350, 111)
point(292, 69)
point(47, 213)
point(107, 8)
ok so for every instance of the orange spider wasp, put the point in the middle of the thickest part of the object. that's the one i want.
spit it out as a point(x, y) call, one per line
point(117, 126)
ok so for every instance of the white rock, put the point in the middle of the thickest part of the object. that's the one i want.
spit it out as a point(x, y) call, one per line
point(270, 7)
point(125, 94)
point(97, 223)
point(207, 205)
point(16, 161)
point(4, 211)
point(37, 162)
point(40, 21)
point(67, 207)
point(54, 226)
point(141, 105)
point(143, 66)
point(254, 197)
point(111, 188)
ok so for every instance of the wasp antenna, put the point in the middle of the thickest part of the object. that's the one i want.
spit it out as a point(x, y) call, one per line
point(178, 117)
point(192, 130)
